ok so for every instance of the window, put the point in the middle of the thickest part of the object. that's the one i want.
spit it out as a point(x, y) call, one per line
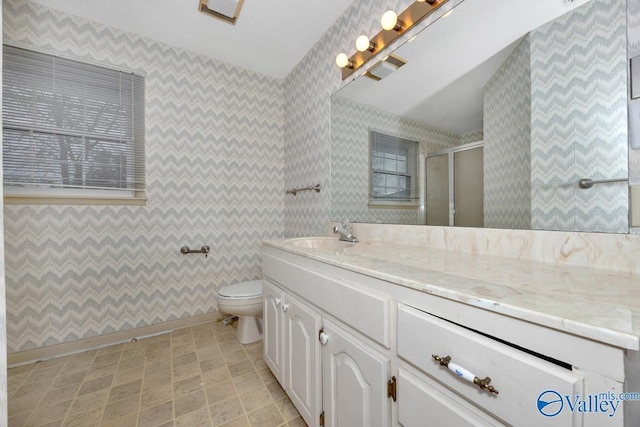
point(71, 129)
point(394, 164)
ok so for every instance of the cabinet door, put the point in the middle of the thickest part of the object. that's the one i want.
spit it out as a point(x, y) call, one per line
point(302, 359)
point(273, 343)
point(354, 381)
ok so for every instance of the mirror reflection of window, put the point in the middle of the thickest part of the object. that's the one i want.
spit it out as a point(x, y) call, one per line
point(393, 172)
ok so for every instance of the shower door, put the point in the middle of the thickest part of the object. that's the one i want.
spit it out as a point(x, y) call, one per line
point(454, 187)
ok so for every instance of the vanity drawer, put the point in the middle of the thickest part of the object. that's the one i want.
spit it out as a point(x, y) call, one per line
point(365, 310)
point(519, 378)
point(422, 399)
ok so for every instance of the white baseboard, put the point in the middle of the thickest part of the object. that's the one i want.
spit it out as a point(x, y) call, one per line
point(63, 349)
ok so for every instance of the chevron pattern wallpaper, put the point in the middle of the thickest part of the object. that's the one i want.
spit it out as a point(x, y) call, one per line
point(579, 119)
point(507, 143)
point(215, 174)
point(350, 126)
point(633, 49)
point(633, 28)
point(470, 137)
point(307, 150)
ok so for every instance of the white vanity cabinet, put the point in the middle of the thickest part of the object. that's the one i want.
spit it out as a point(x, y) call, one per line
point(334, 374)
point(353, 350)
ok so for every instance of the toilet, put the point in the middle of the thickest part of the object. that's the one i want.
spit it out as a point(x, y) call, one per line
point(244, 300)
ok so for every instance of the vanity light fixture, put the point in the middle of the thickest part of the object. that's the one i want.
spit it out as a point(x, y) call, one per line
point(394, 26)
point(389, 21)
point(342, 61)
point(363, 43)
point(225, 10)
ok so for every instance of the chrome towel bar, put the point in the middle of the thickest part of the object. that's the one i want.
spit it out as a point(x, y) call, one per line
point(294, 191)
point(588, 183)
point(203, 250)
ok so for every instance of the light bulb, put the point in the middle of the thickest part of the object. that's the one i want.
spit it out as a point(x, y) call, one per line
point(342, 60)
point(363, 43)
point(389, 20)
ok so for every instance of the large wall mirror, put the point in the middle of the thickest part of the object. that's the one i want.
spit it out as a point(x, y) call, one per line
point(538, 88)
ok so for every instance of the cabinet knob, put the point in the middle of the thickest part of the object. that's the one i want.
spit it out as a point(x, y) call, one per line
point(285, 307)
point(323, 338)
point(277, 300)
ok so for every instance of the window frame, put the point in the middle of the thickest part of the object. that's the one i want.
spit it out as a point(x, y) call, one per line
point(412, 168)
point(133, 179)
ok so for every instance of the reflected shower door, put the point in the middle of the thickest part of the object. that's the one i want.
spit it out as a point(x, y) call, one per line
point(468, 188)
point(454, 188)
point(437, 190)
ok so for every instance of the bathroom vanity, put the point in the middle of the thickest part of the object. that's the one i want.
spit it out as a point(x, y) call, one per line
point(381, 334)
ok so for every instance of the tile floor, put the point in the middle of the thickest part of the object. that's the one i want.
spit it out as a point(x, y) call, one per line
point(197, 376)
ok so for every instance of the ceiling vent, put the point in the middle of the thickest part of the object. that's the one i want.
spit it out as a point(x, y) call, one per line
point(225, 10)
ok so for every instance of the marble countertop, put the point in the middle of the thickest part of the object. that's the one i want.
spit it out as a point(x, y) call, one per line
point(593, 303)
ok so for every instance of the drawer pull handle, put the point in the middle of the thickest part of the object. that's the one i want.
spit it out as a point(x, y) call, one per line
point(285, 307)
point(277, 301)
point(465, 374)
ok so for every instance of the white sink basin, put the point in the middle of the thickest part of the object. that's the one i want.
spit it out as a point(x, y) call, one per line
point(318, 243)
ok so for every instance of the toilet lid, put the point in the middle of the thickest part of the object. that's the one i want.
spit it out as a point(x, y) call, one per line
point(242, 290)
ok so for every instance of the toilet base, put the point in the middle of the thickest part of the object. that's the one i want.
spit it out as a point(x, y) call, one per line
point(249, 329)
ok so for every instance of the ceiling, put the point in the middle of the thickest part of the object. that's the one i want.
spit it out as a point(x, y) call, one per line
point(269, 37)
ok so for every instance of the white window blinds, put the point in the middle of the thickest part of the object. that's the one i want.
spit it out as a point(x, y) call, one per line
point(71, 125)
point(393, 169)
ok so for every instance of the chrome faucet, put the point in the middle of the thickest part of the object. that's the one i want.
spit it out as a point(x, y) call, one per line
point(345, 232)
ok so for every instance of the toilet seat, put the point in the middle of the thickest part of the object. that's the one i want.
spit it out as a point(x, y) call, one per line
point(243, 290)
